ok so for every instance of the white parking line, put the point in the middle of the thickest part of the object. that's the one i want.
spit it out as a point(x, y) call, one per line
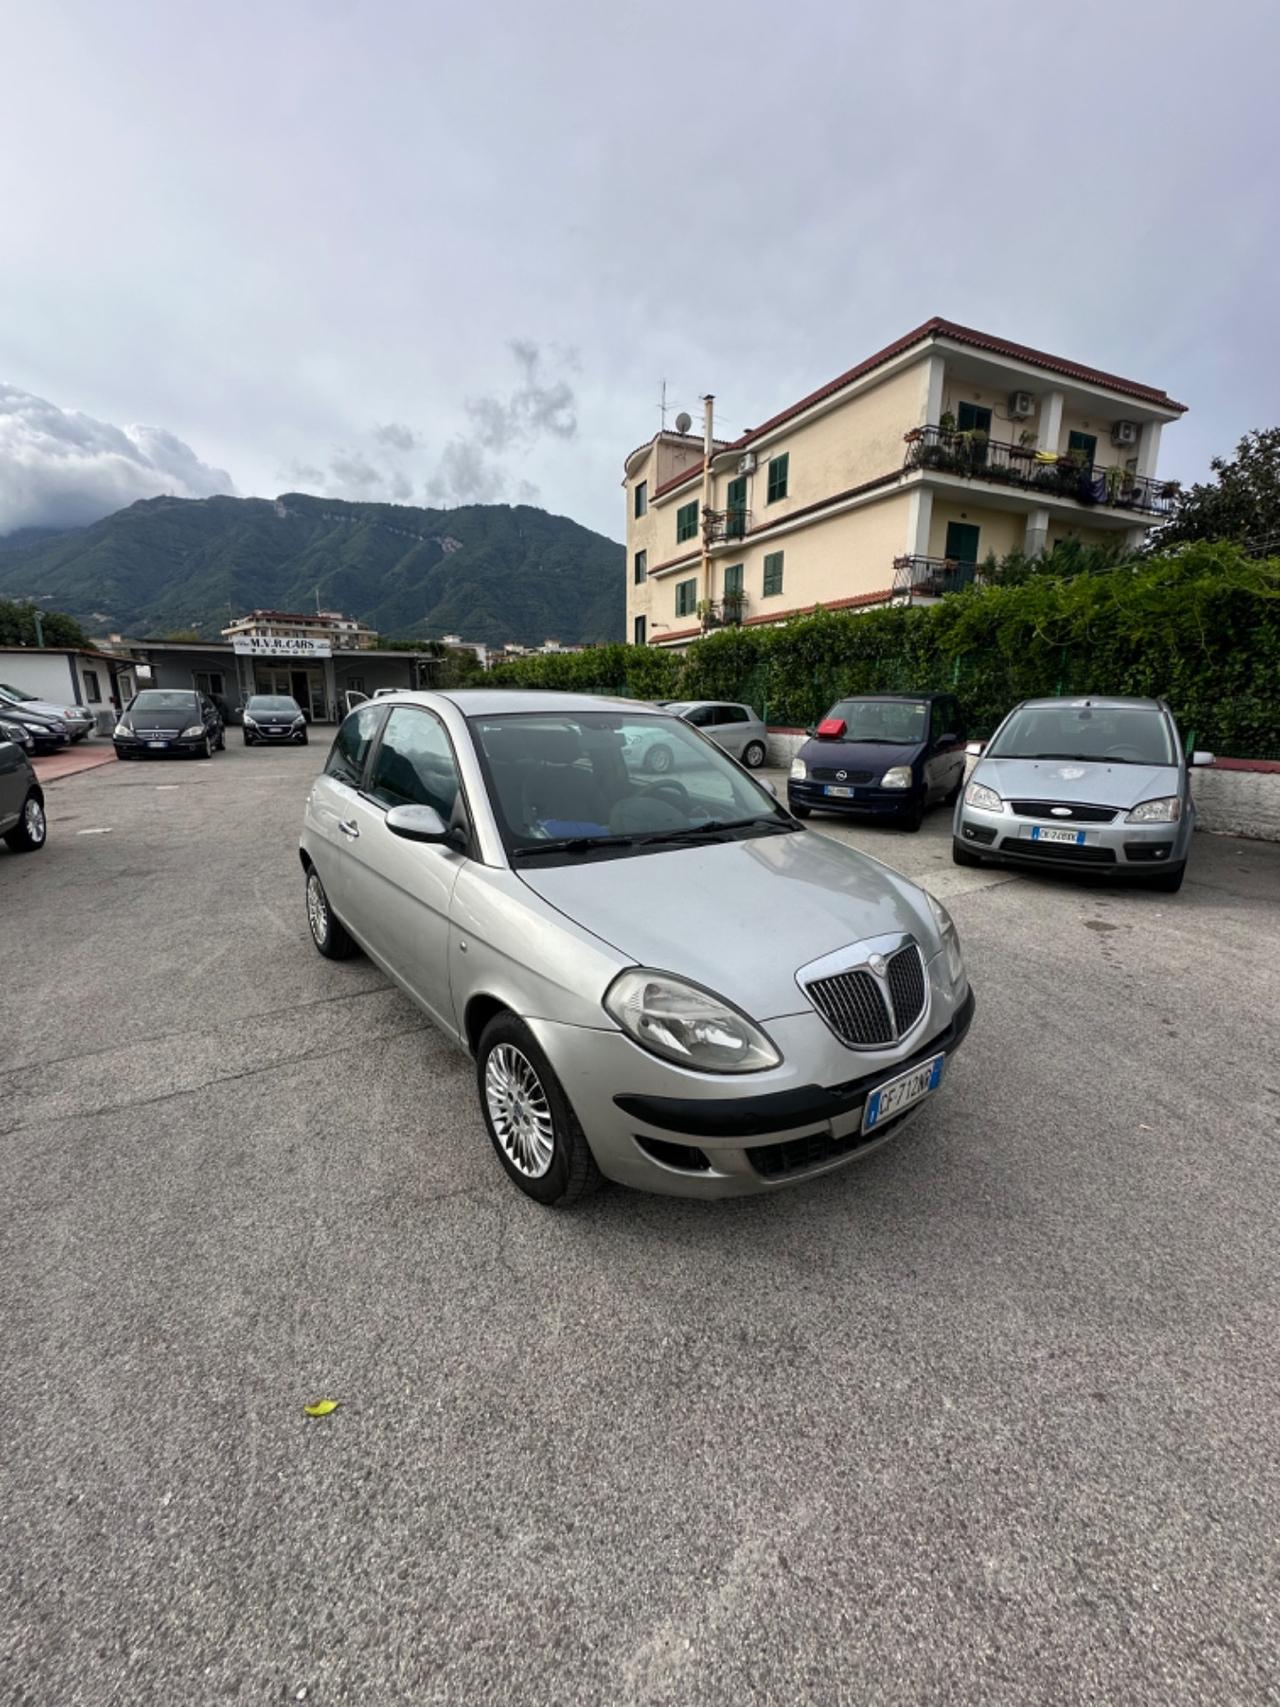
point(104, 830)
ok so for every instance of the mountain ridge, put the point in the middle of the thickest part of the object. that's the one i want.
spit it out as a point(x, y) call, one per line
point(489, 572)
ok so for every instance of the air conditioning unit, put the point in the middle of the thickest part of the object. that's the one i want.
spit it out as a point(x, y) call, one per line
point(1124, 433)
point(747, 463)
point(1022, 405)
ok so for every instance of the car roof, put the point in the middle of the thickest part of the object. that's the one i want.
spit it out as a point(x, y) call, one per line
point(907, 698)
point(1103, 702)
point(489, 702)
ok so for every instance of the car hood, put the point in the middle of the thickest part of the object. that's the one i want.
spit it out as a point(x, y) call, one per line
point(1087, 781)
point(169, 721)
point(874, 756)
point(739, 917)
point(36, 708)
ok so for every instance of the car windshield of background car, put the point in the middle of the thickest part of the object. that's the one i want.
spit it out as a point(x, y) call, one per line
point(604, 783)
point(164, 699)
point(274, 702)
point(903, 722)
point(16, 695)
point(1119, 735)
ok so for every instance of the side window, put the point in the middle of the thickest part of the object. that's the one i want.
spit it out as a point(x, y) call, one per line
point(415, 764)
point(730, 714)
point(351, 746)
point(700, 716)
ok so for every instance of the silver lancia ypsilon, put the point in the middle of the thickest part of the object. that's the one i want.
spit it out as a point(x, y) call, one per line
point(663, 979)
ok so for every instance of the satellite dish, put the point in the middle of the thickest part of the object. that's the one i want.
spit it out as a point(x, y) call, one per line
point(683, 422)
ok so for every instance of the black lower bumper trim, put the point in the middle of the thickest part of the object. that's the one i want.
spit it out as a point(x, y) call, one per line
point(778, 1111)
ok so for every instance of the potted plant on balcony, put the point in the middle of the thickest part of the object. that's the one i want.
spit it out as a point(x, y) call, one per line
point(733, 605)
point(1119, 485)
point(708, 614)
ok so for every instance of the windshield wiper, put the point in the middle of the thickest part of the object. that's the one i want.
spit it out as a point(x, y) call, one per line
point(572, 844)
point(1086, 758)
point(713, 826)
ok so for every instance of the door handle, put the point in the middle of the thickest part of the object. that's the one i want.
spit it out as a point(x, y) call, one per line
point(349, 827)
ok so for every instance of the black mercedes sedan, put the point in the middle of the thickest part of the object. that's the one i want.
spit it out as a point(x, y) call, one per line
point(274, 719)
point(161, 721)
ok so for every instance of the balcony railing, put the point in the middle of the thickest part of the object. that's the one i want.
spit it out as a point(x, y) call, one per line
point(975, 456)
point(719, 525)
point(931, 577)
point(726, 612)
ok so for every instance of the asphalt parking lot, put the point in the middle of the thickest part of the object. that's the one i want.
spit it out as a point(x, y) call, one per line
point(991, 1417)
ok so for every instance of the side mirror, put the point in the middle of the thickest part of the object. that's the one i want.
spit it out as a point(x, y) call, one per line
point(1202, 758)
point(811, 731)
point(417, 823)
point(974, 749)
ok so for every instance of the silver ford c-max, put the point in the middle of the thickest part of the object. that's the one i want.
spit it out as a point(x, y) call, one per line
point(664, 980)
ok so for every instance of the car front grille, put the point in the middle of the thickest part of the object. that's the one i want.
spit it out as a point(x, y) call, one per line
point(854, 1003)
point(1067, 810)
point(815, 1149)
point(828, 773)
point(1057, 850)
point(156, 734)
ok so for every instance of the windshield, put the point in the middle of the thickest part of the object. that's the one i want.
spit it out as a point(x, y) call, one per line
point(572, 783)
point(162, 699)
point(1121, 735)
point(274, 702)
point(904, 722)
point(16, 695)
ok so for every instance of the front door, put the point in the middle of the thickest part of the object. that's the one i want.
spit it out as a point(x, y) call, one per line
point(736, 508)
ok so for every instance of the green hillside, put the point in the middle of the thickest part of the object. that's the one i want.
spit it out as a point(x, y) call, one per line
point(489, 572)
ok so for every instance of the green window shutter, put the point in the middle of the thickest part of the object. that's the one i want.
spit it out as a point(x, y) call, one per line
point(733, 578)
point(686, 521)
point(1086, 444)
point(772, 574)
point(686, 598)
point(778, 476)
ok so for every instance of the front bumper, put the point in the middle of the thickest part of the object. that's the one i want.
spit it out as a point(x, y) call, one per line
point(275, 737)
point(868, 799)
point(1118, 847)
point(660, 1129)
point(145, 750)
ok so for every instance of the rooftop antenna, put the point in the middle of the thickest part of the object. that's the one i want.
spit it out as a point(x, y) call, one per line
point(663, 406)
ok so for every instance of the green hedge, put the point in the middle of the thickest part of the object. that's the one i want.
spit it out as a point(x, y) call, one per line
point(1200, 627)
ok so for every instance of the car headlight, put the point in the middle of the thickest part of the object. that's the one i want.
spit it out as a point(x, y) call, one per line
point(1164, 811)
point(950, 942)
point(122, 729)
point(298, 722)
point(193, 734)
point(687, 1025)
point(799, 770)
point(250, 722)
point(978, 794)
point(898, 777)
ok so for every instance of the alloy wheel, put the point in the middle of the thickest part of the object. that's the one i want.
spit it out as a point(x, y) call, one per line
point(519, 1110)
point(33, 820)
point(317, 909)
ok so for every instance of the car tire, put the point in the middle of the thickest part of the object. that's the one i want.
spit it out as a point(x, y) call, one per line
point(913, 817)
point(534, 1131)
point(328, 933)
point(962, 856)
point(304, 742)
point(1168, 881)
point(30, 832)
point(248, 742)
point(206, 752)
point(658, 759)
point(753, 755)
point(801, 812)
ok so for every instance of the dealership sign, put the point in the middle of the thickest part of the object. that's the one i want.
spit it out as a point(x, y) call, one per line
point(264, 646)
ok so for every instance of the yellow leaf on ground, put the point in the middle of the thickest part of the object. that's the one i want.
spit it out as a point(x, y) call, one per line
point(321, 1408)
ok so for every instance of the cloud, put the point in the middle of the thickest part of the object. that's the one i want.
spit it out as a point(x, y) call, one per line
point(394, 435)
point(465, 476)
point(540, 405)
point(59, 468)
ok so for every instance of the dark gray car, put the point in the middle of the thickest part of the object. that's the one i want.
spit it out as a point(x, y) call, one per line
point(1099, 784)
point(22, 823)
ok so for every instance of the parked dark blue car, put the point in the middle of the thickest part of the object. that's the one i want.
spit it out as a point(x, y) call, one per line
point(886, 755)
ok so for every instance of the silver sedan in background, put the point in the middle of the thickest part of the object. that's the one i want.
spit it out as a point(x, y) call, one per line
point(663, 979)
point(1100, 785)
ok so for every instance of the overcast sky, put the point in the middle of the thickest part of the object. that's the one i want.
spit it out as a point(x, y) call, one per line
point(427, 252)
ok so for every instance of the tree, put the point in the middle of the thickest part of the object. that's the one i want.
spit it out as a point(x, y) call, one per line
point(18, 627)
point(185, 635)
point(1242, 504)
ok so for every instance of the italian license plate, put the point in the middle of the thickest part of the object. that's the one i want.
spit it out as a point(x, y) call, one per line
point(157, 743)
point(1044, 833)
point(839, 793)
point(891, 1098)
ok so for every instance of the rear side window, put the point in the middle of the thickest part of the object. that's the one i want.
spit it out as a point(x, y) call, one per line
point(731, 714)
point(415, 764)
point(351, 746)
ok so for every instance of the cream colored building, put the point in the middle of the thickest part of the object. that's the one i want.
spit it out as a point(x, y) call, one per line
point(343, 633)
point(891, 483)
